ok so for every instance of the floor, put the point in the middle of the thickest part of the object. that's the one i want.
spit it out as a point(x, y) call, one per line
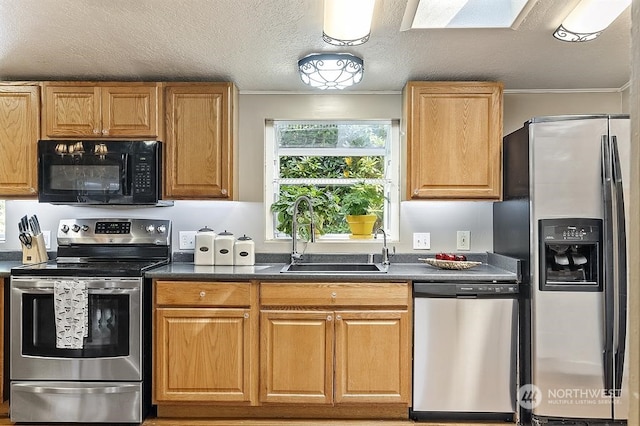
point(4, 420)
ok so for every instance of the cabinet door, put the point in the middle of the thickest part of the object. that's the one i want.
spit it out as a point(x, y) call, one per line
point(71, 111)
point(296, 357)
point(19, 130)
point(130, 111)
point(202, 354)
point(454, 138)
point(199, 139)
point(373, 362)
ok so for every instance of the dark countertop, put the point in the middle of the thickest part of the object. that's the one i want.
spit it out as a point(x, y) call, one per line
point(399, 271)
point(494, 268)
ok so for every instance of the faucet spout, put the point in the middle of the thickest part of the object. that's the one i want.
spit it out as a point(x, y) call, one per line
point(295, 256)
point(385, 249)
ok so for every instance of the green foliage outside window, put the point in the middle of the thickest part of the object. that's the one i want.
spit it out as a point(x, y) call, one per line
point(331, 202)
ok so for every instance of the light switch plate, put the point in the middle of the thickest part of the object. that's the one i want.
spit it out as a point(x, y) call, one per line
point(463, 240)
point(422, 240)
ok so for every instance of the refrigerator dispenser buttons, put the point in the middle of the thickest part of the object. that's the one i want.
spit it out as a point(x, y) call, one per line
point(463, 240)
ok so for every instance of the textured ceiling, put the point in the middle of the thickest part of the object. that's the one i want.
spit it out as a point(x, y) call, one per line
point(257, 43)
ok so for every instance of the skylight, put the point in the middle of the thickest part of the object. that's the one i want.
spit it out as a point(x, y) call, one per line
point(423, 14)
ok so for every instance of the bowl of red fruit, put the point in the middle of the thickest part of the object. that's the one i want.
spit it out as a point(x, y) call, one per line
point(451, 261)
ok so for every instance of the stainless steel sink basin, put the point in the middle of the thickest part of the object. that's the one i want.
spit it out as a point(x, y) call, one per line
point(334, 268)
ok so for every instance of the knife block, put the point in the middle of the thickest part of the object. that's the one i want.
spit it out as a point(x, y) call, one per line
point(37, 253)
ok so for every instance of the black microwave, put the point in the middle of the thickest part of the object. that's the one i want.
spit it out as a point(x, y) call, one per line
point(99, 172)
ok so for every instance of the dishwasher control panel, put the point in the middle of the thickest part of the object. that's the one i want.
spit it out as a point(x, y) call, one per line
point(471, 289)
point(486, 288)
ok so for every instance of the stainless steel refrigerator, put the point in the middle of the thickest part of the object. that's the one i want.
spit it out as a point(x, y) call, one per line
point(563, 214)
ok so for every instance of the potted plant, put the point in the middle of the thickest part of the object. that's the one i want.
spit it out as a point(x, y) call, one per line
point(362, 206)
point(325, 209)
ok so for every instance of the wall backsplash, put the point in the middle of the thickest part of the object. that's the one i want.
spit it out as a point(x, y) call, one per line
point(441, 219)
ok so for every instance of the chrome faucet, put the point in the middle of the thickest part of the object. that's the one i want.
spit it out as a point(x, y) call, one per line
point(385, 249)
point(295, 256)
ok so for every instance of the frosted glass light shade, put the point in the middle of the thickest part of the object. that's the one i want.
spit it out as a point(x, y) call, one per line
point(589, 18)
point(331, 70)
point(347, 22)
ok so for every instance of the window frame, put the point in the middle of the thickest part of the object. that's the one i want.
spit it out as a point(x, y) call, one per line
point(392, 157)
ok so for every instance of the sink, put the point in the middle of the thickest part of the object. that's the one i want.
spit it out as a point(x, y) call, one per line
point(334, 268)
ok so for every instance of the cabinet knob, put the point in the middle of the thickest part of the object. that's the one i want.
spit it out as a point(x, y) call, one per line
point(223, 191)
point(416, 192)
point(339, 317)
point(105, 131)
point(203, 294)
point(96, 131)
point(334, 294)
point(329, 318)
point(246, 314)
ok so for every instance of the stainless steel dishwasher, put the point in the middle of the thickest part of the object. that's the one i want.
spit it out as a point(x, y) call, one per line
point(464, 351)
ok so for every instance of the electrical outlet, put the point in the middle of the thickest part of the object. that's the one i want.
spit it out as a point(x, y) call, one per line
point(187, 240)
point(46, 236)
point(421, 240)
point(464, 240)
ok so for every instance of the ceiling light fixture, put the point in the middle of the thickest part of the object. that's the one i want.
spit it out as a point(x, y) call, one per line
point(331, 70)
point(589, 19)
point(347, 22)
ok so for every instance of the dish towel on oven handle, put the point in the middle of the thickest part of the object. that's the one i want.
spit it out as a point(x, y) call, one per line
point(70, 303)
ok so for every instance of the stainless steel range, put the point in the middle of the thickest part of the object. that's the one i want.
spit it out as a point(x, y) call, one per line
point(80, 326)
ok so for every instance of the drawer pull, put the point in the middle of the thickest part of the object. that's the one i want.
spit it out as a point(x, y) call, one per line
point(203, 294)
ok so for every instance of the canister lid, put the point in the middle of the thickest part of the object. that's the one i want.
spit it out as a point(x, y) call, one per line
point(205, 229)
point(244, 238)
point(225, 233)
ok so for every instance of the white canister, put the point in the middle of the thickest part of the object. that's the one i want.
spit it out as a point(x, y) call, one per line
point(224, 248)
point(204, 252)
point(243, 251)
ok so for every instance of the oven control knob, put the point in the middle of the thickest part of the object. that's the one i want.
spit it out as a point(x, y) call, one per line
point(75, 228)
point(161, 229)
point(150, 228)
point(85, 228)
point(64, 229)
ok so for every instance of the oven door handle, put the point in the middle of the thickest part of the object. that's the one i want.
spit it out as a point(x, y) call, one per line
point(49, 290)
point(78, 388)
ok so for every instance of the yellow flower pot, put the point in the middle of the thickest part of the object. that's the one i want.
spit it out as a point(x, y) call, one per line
point(361, 226)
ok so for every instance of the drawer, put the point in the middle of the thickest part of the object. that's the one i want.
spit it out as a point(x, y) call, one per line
point(334, 294)
point(202, 293)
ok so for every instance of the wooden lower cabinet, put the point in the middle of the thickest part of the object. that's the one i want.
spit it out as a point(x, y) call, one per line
point(372, 355)
point(334, 357)
point(282, 350)
point(203, 354)
point(296, 357)
point(204, 342)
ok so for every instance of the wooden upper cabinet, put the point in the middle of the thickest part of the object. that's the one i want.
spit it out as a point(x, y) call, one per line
point(454, 139)
point(97, 110)
point(200, 135)
point(19, 130)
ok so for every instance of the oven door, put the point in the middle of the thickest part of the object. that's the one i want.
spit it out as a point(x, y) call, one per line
point(111, 348)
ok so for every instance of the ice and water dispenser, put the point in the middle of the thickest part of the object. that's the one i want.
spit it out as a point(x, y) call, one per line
point(570, 254)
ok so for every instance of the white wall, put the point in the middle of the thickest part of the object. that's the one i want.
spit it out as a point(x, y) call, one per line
point(245, 216)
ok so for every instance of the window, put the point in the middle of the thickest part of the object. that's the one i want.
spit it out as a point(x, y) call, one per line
point(330, 161)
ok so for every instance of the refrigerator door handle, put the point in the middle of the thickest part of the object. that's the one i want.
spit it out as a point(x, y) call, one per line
point(620, 267)
point(608, 270)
